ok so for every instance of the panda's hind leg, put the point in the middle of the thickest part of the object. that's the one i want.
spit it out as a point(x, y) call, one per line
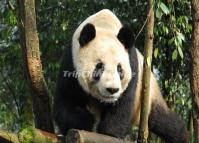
point(167, 124)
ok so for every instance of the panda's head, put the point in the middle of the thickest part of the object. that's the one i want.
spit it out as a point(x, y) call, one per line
point(103, 61)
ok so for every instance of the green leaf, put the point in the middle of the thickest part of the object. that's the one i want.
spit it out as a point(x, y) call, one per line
point(156, 52)
point(64, 26)
point(180, 52)
point(171, 41)
point(179, 40)
point(165, 29)
point(10, 18)
point(174, 55)
point(176, 42)
point(164, 8)
point(158, 13)
point(181, 36)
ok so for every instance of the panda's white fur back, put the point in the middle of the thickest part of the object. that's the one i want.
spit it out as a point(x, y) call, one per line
point(154, 92)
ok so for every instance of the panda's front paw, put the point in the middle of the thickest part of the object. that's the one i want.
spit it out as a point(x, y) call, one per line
point(113, 131)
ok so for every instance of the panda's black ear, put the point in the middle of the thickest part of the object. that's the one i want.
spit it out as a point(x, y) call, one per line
point(126, 37)
point(87, 34)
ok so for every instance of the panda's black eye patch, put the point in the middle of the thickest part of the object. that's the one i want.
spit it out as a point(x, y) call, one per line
point(120, 71)
point(97, 73)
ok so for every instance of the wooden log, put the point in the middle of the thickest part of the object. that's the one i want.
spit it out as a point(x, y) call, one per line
point(33, 135)
point(80, 136)
point(7, 137)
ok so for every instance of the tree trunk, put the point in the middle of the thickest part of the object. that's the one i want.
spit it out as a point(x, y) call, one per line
point(31, 55)
point(195, 68)
point(148, 48)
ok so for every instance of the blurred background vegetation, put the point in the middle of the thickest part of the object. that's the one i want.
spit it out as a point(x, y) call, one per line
point(56, 22)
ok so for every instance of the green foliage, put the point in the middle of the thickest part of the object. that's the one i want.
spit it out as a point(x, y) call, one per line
point(172, 39)
point(26, 135)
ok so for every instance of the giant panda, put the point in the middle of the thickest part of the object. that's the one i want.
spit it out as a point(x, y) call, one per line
point(100, 81)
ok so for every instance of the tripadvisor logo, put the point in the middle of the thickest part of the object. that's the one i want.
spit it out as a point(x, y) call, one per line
point(77, 74)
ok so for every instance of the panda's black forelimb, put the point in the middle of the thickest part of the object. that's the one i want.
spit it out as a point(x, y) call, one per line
point(115, 119)
point(72, 116)
point(69, 107)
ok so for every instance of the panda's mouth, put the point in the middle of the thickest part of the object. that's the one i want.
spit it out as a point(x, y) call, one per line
point(110, 98)
point(106, 97)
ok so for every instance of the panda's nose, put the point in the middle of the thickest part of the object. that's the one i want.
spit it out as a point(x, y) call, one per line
point(112, 90)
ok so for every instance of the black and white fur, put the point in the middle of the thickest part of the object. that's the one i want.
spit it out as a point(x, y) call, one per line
point(109, 102)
